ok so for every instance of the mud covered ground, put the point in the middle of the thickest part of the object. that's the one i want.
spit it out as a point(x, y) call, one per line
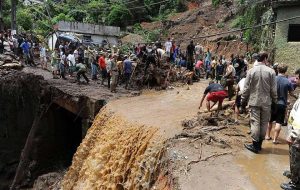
point(201, 152)
point(204, 152)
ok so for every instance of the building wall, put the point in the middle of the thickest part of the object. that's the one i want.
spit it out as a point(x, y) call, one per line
point(287, 52)
point(85, 28)
point(98, 39)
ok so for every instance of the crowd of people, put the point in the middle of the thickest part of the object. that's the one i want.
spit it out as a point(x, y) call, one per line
point(261, 87)
point(264, 90)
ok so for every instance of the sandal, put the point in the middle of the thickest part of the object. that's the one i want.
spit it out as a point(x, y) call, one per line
point(268, 138)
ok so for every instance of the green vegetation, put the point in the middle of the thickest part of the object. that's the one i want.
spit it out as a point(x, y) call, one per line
point(40, 18)
point(248, 18)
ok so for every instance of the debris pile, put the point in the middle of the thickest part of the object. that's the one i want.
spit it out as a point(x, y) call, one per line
point(9, 60)
point(160, 76)
point(202, 140)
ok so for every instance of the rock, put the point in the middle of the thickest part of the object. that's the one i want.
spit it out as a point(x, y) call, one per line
point(135, 93)
point(48, 181)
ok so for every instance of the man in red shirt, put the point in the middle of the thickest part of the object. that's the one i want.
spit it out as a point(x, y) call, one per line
point(102, 65)
point(199, 67)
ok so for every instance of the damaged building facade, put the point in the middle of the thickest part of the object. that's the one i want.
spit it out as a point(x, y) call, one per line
point(287, 33)
point(86, 33)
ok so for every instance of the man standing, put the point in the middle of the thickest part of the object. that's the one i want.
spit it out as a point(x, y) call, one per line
point(190, 51)
point(108, 69)
point(26, 48)
point(283, 87)
point(71, 63)
point(199, 52)
point(293, 140)
point(215, 93)
point(114, 74)
point(168, 46)
point(127, 70)
point(229, 78)
point(43, 57)
point(102, 65)
point(260, 90)
point(55, 63)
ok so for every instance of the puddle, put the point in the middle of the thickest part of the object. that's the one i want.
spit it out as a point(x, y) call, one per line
point(265, 169)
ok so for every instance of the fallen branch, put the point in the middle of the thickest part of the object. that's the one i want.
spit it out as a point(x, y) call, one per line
point(235, 135)
point(209, 129)
point(200, 134)
point(215, 155)
point(188, 166)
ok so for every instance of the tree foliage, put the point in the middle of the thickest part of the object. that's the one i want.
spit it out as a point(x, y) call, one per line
point(40, 18)
point(25, 19)
point(119, 15)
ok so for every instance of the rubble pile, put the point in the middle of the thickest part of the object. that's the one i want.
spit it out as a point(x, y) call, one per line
point(160, 76)
point(9, 60)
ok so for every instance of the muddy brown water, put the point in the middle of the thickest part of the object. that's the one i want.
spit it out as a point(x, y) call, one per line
point(265, 169)
point(165, 110)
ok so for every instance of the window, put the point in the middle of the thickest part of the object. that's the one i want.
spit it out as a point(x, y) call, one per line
point(294, 33)
point(87, 38)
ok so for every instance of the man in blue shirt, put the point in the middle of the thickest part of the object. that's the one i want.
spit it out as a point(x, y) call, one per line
point(279, 109)
point(127, 65)
point(26, 48)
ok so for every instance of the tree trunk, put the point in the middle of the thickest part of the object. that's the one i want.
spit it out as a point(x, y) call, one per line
point(1, 16)
point(13, 14)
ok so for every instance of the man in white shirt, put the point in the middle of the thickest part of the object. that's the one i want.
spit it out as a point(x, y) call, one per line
point(239, 91)
point(43, 58)
point(71, 63)
point(168, 46)
point(199, 52)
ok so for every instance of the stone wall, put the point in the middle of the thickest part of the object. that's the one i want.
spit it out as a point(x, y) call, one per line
point(287, 52)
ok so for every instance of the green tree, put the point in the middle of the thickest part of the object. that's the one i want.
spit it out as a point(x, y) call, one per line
point(62, 17)
point(119, 15)
point(24, 19)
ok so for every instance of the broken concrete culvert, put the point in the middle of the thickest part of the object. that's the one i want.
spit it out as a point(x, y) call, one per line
point(41, 127)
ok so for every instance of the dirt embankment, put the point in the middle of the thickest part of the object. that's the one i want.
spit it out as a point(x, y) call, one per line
point(199, 23)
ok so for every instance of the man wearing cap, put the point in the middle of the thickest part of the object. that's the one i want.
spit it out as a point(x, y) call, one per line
point(260, 90)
